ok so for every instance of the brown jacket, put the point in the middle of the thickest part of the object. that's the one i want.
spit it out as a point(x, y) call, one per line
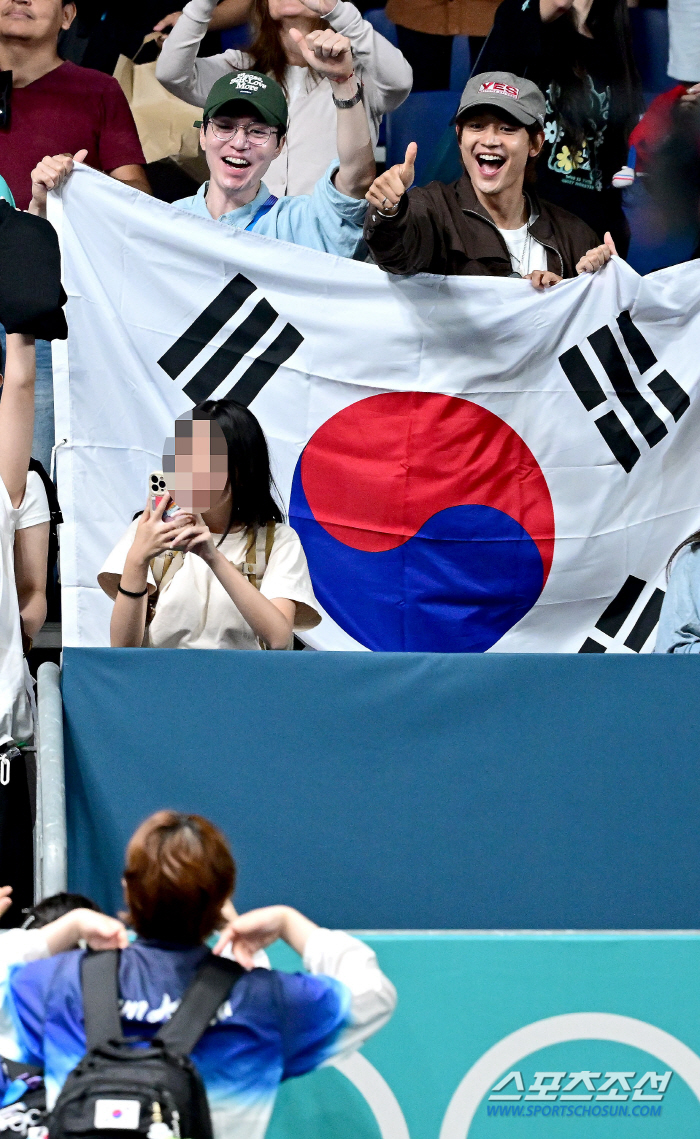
point(444, 229)
point(444, 17)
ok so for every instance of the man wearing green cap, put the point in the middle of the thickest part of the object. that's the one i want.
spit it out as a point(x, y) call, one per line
point(245, 121)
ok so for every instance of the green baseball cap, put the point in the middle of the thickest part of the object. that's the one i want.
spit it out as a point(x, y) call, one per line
point(263, 93)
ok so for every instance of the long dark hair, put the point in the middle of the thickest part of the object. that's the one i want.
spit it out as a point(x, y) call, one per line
point(266, 49)
point(249, 474)
point(564, 51)
point(693, 540)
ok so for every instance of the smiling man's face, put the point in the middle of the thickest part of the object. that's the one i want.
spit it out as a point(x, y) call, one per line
point(239, 162)
point(495, 150)
point(34, 20)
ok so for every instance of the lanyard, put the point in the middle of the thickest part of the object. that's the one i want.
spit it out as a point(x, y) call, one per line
point(262, 210)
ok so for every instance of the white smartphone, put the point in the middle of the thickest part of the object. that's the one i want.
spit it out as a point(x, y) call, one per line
point(158, 488)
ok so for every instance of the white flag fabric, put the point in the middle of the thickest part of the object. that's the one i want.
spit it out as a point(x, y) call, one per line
point(471, 465)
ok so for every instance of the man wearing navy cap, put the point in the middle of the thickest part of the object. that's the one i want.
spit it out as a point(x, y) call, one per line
point(245, 121)
point(486, 223)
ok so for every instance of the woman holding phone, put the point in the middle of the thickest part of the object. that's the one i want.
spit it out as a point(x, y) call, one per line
point(224, 572)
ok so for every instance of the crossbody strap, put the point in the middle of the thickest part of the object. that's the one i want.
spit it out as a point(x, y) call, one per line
point(214, 980)
point(262, 210)
point(99, 976)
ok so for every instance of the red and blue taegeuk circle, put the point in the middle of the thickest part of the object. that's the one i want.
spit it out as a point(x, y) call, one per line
point(426, 520)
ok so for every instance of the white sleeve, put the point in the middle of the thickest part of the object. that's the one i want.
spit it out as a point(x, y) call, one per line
point(179, 69)
point(386, 73)
point(18, 946)
point(110, 575)
point(354, 964)
point(35, 504)
point(287, 575)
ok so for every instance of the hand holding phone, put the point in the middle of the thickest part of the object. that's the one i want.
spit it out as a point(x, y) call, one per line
point(158, 489)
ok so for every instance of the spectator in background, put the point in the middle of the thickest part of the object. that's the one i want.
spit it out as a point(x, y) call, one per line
point(679, 622)
point(579, 52)
point(667, 147)
point(310, 144)
point(426, 29)
point(179, 873)
point(239, 578)
point(684, 40)
point(486, 223)
point(55, 107)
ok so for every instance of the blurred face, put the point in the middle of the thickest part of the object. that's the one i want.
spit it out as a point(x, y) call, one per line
point(195, 464)
point(34, 20)
point(495, 152)
point(238, 149)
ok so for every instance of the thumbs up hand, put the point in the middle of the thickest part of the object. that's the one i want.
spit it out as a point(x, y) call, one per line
point(387, 190)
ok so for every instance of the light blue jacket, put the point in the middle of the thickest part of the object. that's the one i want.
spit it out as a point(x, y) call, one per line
point(679, 623)
point(6, 192)
point(325, 220)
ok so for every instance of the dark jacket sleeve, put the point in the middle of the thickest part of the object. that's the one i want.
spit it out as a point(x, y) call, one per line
point(515, 40)
point(410, 242)
point(577, 239)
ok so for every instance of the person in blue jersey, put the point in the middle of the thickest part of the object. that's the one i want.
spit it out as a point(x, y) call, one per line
point(179, 874)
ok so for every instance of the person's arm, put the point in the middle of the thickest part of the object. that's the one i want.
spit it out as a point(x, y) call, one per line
point(553, 9)
point(49, 174)
point(402, 236)
point(134, 176)
point(153, 537)
point(227, 14)
point(31, 553)
point(385, 71)
point(330, 54)
point(271, 619)
point(17, 414)
point(325, 952)
point(515, 40)
point(99, 931)
point(179, 69)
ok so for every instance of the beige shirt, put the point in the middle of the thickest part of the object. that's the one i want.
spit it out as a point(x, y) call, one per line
point(311, 138)
point(444, 17)
point(194, 611)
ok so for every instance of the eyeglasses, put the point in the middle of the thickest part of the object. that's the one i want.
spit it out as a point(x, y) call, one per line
point(254, 132)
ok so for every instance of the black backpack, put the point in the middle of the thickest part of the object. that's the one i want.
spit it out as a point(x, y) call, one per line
point(120, 1089)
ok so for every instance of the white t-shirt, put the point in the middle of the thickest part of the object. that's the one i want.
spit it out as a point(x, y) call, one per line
point(526, 253)
point(194, 611)
point(16, 721)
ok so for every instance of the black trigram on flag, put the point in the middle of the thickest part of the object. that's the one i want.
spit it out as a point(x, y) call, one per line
point(617, 613)
point(584, 382)
point(228, 355)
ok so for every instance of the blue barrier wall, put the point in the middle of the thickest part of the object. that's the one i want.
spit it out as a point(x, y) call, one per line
point(402, 791)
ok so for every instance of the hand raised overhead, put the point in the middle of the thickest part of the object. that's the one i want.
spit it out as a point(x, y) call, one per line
point(387, 190)
point(326, 51)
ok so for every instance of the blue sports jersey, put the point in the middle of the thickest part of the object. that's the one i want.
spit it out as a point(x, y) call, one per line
point(274, 1025)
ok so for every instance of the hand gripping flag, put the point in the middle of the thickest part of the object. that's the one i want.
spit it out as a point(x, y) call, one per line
point(471, 465)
